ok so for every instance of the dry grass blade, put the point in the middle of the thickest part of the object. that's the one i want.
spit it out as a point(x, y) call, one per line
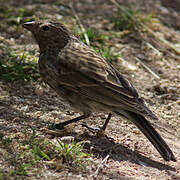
point(100, 167)
point(150, 31)
point(125, 11)
point(148, 69)
point(80, 24)
point(168, 44)
point(153, 48)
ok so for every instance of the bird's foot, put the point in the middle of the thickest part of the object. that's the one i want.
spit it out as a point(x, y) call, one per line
point(91, 129)
point(98, 131)
point(59, 126)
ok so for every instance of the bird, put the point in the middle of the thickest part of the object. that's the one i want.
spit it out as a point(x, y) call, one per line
point(89, 82)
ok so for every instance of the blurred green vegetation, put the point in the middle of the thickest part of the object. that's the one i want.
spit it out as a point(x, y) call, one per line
point(98, 42)
point(15, 16)
point(18, 66)
point(93, 34)
point(34, 151)
point(129, 19)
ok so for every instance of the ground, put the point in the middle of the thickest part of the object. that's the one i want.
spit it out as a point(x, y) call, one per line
point(147, 53)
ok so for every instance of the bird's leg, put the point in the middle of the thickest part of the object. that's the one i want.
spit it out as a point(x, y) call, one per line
point(61, 125)
point(99, 131)
point(102, 130)
point(106, 122)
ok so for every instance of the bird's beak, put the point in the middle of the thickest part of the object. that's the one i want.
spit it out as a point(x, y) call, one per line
point(29, 25)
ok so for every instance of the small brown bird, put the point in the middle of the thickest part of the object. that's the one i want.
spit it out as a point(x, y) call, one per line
point(88, 82)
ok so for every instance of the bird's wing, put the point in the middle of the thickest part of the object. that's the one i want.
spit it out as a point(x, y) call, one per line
point(84, 71)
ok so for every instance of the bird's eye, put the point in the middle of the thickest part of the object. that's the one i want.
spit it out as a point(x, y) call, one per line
point(45, 28)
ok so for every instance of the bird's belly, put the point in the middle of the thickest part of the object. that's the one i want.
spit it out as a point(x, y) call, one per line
point(75, 99)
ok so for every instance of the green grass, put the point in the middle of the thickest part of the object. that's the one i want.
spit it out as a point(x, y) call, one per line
point(126, 19)
point(18, 66)
point(5, 141)
point(98, 43)
point(15, 16)
point(37, 146)
point(94, 35)
point(28, 153)
point(72, 154)
point(129, 19)
point(107, 53)
point(2, 174)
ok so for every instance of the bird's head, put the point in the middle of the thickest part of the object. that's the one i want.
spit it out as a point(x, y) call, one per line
point(48, 34)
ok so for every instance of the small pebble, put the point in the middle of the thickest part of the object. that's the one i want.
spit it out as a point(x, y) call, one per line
point(39, 91)
point(67, 139)
point(16, 119)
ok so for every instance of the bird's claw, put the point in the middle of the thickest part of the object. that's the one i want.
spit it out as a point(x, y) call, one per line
point(91, 129)
point(57, 126)
point(98, 131)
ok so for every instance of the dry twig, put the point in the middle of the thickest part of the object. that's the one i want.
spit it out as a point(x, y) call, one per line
point(168, 44)
point(80, 24)
point(150, 31)
point(100, 167)
point(148, 69)
point(154, 49)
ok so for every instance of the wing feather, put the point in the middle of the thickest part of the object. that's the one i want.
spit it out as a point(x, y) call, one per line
point(91, 76)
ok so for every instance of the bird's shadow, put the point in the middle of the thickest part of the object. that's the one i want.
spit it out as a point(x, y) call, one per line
point(100, 147)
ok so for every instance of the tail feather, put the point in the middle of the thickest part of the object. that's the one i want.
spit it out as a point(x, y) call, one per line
point(153, 136)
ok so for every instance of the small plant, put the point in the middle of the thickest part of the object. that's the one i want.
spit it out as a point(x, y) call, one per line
point(5, 140)
point(93, 34)
point(107, 53)
point(21, 169)
point(15, 16)
point(2, 174)
point(36, 146)
point(126, 19)
point(31, 151)
point(149, 18)
point(129, 19)
point(13, 67)
point(72, 154)
point(97, 41)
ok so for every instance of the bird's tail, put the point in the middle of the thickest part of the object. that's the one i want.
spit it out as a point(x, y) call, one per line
point(153, 136)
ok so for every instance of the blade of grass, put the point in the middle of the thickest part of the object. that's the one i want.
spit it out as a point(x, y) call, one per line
point(80, 24)
point(147, 68)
